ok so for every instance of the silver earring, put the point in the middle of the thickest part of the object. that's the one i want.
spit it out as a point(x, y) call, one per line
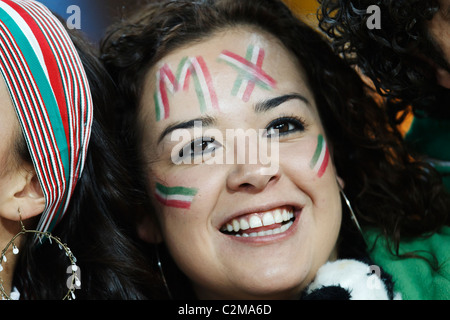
point(74, 281)
point(352, 213)
point(162, 272)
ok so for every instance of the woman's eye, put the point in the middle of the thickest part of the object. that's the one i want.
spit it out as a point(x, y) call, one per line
point(199, 147)
point(283, 126)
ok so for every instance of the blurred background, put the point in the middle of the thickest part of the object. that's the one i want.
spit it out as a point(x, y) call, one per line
point(96, 15)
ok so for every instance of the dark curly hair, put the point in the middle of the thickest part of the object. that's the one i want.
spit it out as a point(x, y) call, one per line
point(393, 57)
point(388, 189)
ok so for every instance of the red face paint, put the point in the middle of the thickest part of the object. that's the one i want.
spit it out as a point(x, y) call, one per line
point(319, 162)
point(250, 72)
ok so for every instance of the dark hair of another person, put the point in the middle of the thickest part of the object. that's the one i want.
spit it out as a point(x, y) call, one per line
point(97, 227)
point(386, 187)
point(395, 57)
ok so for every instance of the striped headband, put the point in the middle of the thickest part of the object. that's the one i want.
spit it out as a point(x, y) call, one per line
point(50, 92)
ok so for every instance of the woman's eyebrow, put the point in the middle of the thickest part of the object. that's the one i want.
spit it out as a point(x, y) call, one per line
point(205, 121)
point(260, 107)
point(266, 105)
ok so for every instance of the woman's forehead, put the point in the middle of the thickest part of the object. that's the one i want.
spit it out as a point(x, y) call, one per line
point(237, 39)
point(231, 55)
point(220, 74)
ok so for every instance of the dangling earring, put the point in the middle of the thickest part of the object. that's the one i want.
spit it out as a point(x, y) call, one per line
point(352, 213)
point(73, 282)
point(162, 272)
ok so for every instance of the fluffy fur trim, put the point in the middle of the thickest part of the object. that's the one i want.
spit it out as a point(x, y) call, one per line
point(349, 279)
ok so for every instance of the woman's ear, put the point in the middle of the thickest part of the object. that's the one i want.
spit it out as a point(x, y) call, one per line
point(23, 192)
point(148, 230)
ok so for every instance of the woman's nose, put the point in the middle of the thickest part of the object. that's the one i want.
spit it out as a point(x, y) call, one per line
point(251, 177)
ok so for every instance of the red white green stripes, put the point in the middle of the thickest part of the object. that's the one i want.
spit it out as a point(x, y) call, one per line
point(319, 161)
point(164, 80)
point(188, 67)
point(250, 72)
point(177, 197)
point(203, 85)
point(49, 90)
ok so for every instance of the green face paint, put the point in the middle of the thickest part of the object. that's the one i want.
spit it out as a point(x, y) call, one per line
point(320, 159)
point(176, 197)
point(250, 72)
point(165, 79)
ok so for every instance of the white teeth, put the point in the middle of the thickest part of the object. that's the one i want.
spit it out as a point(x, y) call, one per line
point(256, 221)
point(277, 216)
point(236, 225)
point(268, 219)
point(244, 224)
point(281, 229)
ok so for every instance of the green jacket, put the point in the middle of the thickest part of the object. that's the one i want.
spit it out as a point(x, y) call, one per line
point(415, 278)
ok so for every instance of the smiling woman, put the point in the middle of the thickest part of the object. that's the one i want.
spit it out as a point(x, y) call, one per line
point(232, 193)
point(244, 231)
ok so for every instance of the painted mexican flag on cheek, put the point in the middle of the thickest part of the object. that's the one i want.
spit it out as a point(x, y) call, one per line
point(176, 197)
point(320, 159)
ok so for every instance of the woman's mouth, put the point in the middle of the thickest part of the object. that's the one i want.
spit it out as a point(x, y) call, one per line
point(261, 224)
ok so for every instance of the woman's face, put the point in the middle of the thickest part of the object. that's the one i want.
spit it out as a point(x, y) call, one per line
point(237, 225)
